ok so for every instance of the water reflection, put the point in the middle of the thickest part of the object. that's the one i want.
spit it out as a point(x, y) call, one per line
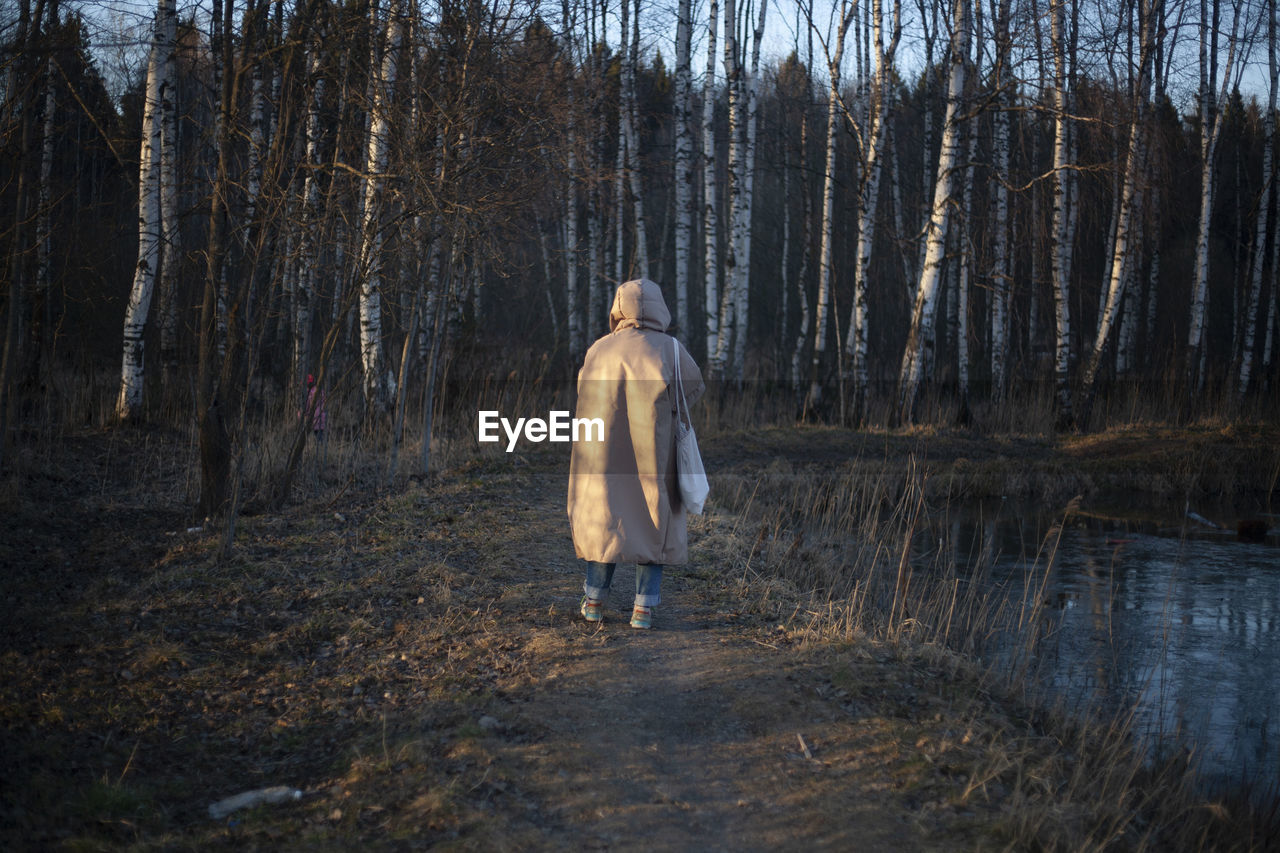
point(1189, 625)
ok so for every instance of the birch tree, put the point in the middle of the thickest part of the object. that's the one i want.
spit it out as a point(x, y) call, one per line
point(1264, 207)
point(306, 277)
point(998, 278)
point(868, 201)
point(171, 235)
point(914, 247)
point(375, 174)
point(630, 125)
point(1210, 133)
point(684, 171)
point(827, 226)
point(733, 94)
point(1122, 248)
point(801, 92)
point(965, 239)
point(936, 235)
point(746, 203)
point(1064, 212)
point(710, 186)
point(129, 401)
point(597, 232)
point(215, 439)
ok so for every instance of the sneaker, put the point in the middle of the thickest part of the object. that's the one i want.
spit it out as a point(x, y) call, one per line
point(642, 617)
point(592, 609)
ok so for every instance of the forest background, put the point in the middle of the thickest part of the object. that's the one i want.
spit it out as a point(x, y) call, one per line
point(1021, 214)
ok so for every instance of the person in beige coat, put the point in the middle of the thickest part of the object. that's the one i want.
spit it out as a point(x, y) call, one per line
point(624, 503)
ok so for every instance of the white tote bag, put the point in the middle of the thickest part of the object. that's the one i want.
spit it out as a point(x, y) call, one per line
point(689, 471)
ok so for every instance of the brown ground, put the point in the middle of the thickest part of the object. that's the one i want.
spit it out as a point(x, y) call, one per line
point(415, 665)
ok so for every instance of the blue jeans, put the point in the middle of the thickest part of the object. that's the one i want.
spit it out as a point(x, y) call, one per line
point(648, 582)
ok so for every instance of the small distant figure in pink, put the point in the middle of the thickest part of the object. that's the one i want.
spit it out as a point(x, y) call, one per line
point(316, 406)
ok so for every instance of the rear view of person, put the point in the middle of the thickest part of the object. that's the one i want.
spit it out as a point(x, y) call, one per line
point(624, 503)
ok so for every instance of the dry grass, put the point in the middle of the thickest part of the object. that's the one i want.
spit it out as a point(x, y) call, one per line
point(857, 554)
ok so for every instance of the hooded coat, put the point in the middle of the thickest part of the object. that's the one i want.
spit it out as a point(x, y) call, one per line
point(624, 501)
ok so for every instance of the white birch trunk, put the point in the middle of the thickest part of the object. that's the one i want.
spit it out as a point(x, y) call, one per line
point(1210, 133)
point(631, 127)
point(806, 251)
point(926, 293)
point(742, 284)
point(802, 299)
point(868, 203)
point(375, 170)
point(1131, 306)
point(828, 212)
point(129, 402)
point(1122, 250)
point(733, 90)
point(1121, 256)
point(253, 185)
point(1113, 224)
point(1264, 205)
point(710, 185)
point(998, 275)
point(926, 149)
point(306, 277)
point(684, 170)
point(1064, 214)
point(171, 235)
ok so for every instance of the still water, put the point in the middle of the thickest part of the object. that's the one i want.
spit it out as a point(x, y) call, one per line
point(1179, 617)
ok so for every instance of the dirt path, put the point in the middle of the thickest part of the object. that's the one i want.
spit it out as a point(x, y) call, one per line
point(687, 739)
point(689, 736)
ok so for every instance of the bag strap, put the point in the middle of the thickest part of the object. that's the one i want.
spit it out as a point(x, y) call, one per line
point(682, 404)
